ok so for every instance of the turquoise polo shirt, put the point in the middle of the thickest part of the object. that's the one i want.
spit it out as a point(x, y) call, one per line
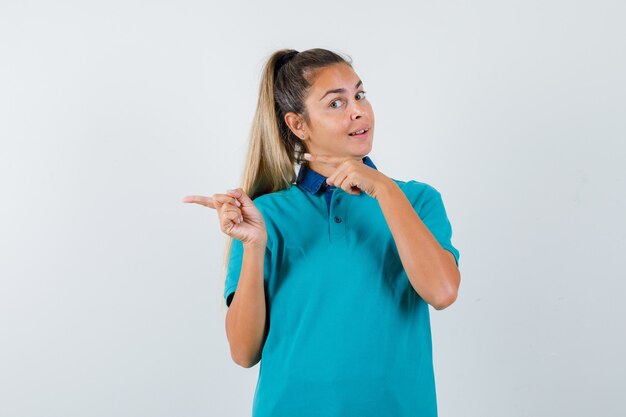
point(348, 334)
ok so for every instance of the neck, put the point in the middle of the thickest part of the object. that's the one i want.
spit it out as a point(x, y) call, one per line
point(322, 169)
point(325, 170)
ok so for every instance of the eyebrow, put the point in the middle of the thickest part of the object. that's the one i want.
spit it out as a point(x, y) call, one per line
point(340, 90)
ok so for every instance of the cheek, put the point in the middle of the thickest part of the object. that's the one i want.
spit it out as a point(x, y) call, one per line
point(337, 126)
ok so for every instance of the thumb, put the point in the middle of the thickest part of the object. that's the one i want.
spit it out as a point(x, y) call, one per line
point(240, 195)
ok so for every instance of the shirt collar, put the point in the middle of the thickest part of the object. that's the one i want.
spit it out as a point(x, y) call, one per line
point(312, 181)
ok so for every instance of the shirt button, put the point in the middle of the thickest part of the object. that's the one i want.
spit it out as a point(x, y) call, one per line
point(337, 219)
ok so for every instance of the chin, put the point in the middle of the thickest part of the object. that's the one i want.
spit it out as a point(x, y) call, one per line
point(362, 150)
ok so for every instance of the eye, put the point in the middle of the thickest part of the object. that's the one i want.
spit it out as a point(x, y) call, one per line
point(360, 92)
point(334, 101)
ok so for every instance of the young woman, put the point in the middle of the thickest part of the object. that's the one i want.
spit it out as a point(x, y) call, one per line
point(331, 270)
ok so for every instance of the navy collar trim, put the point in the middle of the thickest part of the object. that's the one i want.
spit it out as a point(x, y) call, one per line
point(313, 181)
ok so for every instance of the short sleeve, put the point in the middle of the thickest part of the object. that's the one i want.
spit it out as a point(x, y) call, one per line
point(234, 269)
point(433, 214)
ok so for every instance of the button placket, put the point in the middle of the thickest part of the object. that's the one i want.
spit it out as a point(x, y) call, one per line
point(336, 219)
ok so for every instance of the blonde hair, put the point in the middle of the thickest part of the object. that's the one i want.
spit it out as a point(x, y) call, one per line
point(273, 149)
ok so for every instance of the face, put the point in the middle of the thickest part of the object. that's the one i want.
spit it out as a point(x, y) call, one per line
point(337, 106)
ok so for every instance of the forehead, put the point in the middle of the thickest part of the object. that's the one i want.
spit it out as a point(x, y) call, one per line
point(335, 76)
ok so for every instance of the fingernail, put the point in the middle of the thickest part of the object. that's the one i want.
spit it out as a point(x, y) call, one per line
point(238, 203)
point(307, 155)
point(240, 218)
point(231, 191)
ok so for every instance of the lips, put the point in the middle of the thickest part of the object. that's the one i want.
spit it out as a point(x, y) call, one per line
point(359, 129)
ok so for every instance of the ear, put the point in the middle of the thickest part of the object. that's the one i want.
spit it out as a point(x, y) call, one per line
point(296, 125)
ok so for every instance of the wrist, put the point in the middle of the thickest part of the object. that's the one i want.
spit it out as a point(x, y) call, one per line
point(385, 187)
point(255, 245)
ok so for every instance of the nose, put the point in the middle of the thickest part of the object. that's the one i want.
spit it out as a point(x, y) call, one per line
point(357, 110)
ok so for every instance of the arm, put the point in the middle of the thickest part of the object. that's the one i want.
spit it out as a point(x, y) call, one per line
point(431, 269)
point(245, 318)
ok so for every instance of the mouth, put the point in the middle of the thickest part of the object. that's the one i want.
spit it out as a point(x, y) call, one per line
point(360, 133)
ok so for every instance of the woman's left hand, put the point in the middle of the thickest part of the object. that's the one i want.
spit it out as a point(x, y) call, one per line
point(352, 175)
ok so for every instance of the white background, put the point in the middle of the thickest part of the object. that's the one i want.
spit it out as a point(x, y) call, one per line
point(110, 112)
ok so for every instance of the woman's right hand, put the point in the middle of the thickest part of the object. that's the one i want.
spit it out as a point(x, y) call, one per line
point(239, 218)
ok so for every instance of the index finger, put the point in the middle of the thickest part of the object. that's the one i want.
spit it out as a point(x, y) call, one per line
point(199, 199)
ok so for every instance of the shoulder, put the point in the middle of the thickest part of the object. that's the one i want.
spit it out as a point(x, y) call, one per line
point(281, 209)
point(277, 198)
point(280, 206)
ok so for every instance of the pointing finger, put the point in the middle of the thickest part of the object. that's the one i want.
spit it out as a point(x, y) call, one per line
point(199, 199)
point(212, 202)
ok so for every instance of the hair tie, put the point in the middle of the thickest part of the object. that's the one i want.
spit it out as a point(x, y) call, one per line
point(283, 61)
